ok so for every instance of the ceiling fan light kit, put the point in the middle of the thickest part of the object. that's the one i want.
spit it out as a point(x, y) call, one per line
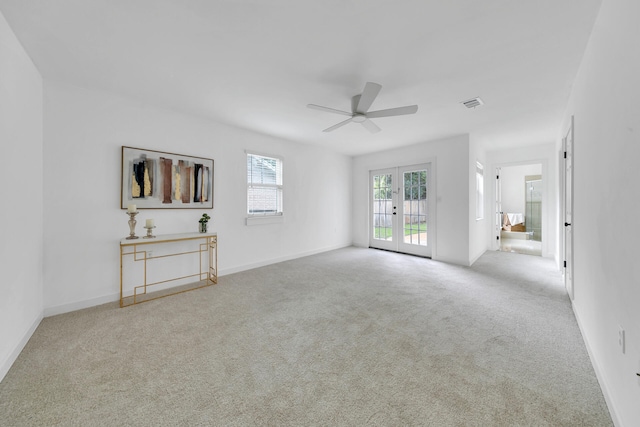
point(360, 110)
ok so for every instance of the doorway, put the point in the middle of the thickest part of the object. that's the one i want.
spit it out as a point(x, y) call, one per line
point(401, 209)
point(519, 196)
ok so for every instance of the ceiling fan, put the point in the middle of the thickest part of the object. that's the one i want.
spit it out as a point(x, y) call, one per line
point(360, 113)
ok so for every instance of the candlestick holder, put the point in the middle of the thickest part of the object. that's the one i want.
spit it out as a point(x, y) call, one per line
point(132, 225)
point(149, 234)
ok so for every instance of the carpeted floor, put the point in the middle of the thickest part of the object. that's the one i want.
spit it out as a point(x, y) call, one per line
point(351, 337)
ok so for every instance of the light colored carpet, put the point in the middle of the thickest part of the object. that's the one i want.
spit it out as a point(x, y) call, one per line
point(349, 337)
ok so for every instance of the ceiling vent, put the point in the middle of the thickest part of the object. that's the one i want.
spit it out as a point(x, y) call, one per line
point(473, 103)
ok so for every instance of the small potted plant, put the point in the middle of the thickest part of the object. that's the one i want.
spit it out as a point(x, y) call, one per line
point(203, 222)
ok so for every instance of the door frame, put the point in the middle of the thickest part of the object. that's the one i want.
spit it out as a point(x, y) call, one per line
point(495, 241)
point(566, 227)
point(547, 222)
point(431, 207)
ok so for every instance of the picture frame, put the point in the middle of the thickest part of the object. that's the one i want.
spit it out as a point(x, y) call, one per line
point(153, 179)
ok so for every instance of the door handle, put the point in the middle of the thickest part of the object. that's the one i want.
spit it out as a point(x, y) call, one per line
point(566, 224)
point(394, 213)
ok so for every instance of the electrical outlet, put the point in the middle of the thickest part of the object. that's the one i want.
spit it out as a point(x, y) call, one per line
point(149, 254)
point(621, 342)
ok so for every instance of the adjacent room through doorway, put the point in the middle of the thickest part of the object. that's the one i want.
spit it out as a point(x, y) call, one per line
point(519, 208)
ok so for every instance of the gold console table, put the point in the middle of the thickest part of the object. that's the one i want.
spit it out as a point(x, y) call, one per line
point(150, 252)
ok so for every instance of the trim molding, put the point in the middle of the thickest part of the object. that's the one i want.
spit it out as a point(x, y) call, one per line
point(245, 267)
point(450, 260)
point(477, 257)
point(8, 362)
point(601, 379)
point(79, 305)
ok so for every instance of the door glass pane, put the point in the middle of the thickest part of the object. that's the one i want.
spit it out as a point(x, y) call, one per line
point(533, 208)
point(415, 208)
point(382, 207)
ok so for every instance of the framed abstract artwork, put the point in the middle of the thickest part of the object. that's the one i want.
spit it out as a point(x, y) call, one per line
point(158, 180)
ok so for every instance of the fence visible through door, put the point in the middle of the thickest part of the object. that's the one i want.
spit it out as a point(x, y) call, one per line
point(400, 209)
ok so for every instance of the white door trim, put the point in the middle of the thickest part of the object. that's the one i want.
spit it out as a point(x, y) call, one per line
point(567, 210)
point(547, 220)
point(497, 210)
point(398, 191)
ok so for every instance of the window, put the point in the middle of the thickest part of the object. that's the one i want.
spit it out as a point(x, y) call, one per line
point(264, 186)
point(479, 191)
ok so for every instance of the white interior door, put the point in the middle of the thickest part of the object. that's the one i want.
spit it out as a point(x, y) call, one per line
point(568, 210)
point(402, 209)
point(498, 210)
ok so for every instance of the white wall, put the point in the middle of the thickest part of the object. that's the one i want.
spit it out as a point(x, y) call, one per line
point(547, 156)
point(450, 162)
point(513, 187)
point(605, 104)
point(21, 194)
point(84, 131)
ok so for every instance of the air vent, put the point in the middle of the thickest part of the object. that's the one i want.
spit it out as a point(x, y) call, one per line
point(473, 103)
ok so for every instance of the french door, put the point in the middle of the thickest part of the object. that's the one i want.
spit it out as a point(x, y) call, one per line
point(402, 209)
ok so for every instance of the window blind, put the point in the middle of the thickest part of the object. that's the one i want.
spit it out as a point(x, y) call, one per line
point(264, 185)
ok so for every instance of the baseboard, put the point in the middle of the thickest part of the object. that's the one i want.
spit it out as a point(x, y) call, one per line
point(245, 267)
point(599, 375)
point(449, 260)
point(475, 258)
point(79, 305)
point(8, 362)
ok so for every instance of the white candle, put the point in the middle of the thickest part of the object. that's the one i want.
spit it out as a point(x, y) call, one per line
point(132, 208)
point(149, 223)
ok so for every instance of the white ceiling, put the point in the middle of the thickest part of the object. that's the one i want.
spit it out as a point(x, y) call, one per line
point(256, 64)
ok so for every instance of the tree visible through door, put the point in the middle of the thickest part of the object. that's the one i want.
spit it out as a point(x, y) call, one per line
point(414, 212)
point(400, 209)
point(383, 210)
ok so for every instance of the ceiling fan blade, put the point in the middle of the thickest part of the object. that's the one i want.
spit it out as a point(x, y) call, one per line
point(329, 110)
point(339, 125)
point(370, 126)
point(399, 111)
point(369, 94)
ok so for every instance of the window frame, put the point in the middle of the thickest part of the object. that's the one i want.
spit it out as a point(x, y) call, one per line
point(479, 191)
point(267, 217)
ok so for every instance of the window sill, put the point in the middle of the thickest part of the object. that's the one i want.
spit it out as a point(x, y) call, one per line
point(268, 219)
